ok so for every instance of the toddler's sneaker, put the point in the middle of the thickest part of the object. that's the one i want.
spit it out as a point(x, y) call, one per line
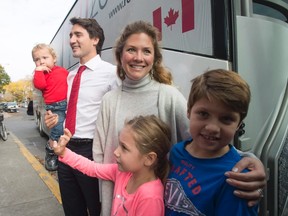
point(51, 159)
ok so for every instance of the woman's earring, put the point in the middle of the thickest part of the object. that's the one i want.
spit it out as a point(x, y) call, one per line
point(122, 74)
point(152, 73)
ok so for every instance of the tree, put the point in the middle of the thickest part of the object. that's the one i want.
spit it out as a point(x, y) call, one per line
point(4, 79)
point(19, 91)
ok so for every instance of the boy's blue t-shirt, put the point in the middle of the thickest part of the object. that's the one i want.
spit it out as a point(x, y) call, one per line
point(197, 186)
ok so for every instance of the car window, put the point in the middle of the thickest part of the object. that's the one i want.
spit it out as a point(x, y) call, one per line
point(12, 103)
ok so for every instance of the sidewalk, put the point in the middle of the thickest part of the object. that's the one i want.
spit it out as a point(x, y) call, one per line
point(26, 188)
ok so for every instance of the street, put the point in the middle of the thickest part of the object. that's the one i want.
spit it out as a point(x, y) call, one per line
point(27, 189)
point(24, 127)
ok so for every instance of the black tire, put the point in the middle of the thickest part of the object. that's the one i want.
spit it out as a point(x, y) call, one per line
point(40, 128)
point(3, 132)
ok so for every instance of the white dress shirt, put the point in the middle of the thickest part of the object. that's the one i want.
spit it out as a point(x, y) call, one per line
point(97, 79)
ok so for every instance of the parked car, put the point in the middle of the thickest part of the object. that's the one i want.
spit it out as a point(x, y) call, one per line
point(2, 106)
point(11, 107)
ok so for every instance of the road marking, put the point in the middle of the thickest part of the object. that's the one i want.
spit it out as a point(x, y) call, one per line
point(51, 183)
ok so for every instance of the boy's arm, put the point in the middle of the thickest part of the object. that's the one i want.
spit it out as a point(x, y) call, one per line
point(39, 80)
point(228, 204)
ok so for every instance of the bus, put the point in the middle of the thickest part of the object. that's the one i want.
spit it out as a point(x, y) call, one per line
point(246, 36)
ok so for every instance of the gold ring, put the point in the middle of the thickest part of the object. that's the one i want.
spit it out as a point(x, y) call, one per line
point(261, 193)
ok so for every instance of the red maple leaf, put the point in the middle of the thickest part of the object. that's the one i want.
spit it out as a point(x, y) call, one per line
point(171, 18)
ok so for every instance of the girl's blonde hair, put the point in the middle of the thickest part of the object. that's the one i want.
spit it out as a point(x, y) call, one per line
point(153, 135)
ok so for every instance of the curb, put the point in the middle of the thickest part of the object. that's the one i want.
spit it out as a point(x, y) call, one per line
point(51, 183)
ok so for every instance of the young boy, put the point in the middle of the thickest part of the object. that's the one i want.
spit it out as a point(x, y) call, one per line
point(196, 185)
point(52, 81)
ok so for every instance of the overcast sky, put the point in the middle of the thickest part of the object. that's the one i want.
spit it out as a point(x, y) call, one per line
point(23, 24)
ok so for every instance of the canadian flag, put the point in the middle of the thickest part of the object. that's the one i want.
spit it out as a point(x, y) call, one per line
point(170, 17)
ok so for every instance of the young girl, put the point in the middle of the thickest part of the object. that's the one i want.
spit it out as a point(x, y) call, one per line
point(141, 167)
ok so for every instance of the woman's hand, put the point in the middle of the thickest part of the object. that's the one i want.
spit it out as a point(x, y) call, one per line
point(59, 148)
point(51, 119)
point(250, 184)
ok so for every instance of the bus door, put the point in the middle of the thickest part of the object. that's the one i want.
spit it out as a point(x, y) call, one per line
point(261, 56)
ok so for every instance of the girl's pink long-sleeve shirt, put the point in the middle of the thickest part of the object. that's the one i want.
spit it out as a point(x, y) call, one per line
point(146, 201)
